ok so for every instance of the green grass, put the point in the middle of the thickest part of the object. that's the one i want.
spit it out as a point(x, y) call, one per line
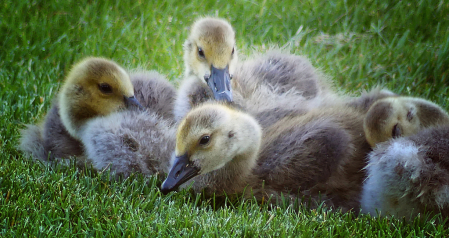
point(403, 46)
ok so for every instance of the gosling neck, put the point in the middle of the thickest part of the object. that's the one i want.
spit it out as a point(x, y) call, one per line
point(233, 178)
point(73, 112)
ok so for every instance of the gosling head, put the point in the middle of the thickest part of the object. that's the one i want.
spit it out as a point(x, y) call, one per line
point(94, 87)
point(391, 117)
point(210, 55)
point(210, 137)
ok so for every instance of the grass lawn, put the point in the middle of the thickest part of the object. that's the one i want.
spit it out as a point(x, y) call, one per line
point(403, 45)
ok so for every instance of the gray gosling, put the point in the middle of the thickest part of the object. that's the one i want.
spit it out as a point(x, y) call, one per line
point(272, 80)
point(94, 87)
point(210, 59)
point(408, 176)
point(223, 150)
point(394, 117)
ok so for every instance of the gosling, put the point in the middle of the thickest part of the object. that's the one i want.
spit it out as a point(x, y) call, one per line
point(394, 117)
point(223, 150)
point(94, 87)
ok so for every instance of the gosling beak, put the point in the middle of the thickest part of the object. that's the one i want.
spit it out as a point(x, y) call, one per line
point(182, 171)
point(220, 83)
point(396, 131)
point(132, 101)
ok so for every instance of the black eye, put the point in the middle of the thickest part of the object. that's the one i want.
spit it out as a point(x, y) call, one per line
point(105, 88)
point(232, 51)
point(201, 52)
point(204, 140)
point(396, 132)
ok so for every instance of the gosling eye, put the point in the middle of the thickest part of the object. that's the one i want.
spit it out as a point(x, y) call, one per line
point(396, 132)
point(232, 53)
point(201, 52)
point(204, 140)
point(105, 88)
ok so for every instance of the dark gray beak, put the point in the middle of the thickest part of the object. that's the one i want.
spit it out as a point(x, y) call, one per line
point(132, 101)
point(220, 83)
point(181, 172)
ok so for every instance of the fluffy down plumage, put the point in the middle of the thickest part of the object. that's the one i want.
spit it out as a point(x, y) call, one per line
point(49, 142)
point(81, 98)
point(267, 82)
point(126, 141)
point(319, 154)
point(408, 176)
point(132, 140)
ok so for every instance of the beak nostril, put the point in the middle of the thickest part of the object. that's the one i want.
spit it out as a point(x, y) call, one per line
point(206, 77)
point(177, 174)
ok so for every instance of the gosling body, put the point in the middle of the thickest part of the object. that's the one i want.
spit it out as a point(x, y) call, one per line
point(94, 87)
point(409, 175)
point(407, 171)
point(319, 154)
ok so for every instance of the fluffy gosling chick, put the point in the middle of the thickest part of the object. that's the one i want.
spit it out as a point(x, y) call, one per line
point(222, 150)
point(394, 117)
point(94, 87)
point(210, 55)
point(210, 58)
point(219, 140)
point(409, 175)
point(272, 80)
